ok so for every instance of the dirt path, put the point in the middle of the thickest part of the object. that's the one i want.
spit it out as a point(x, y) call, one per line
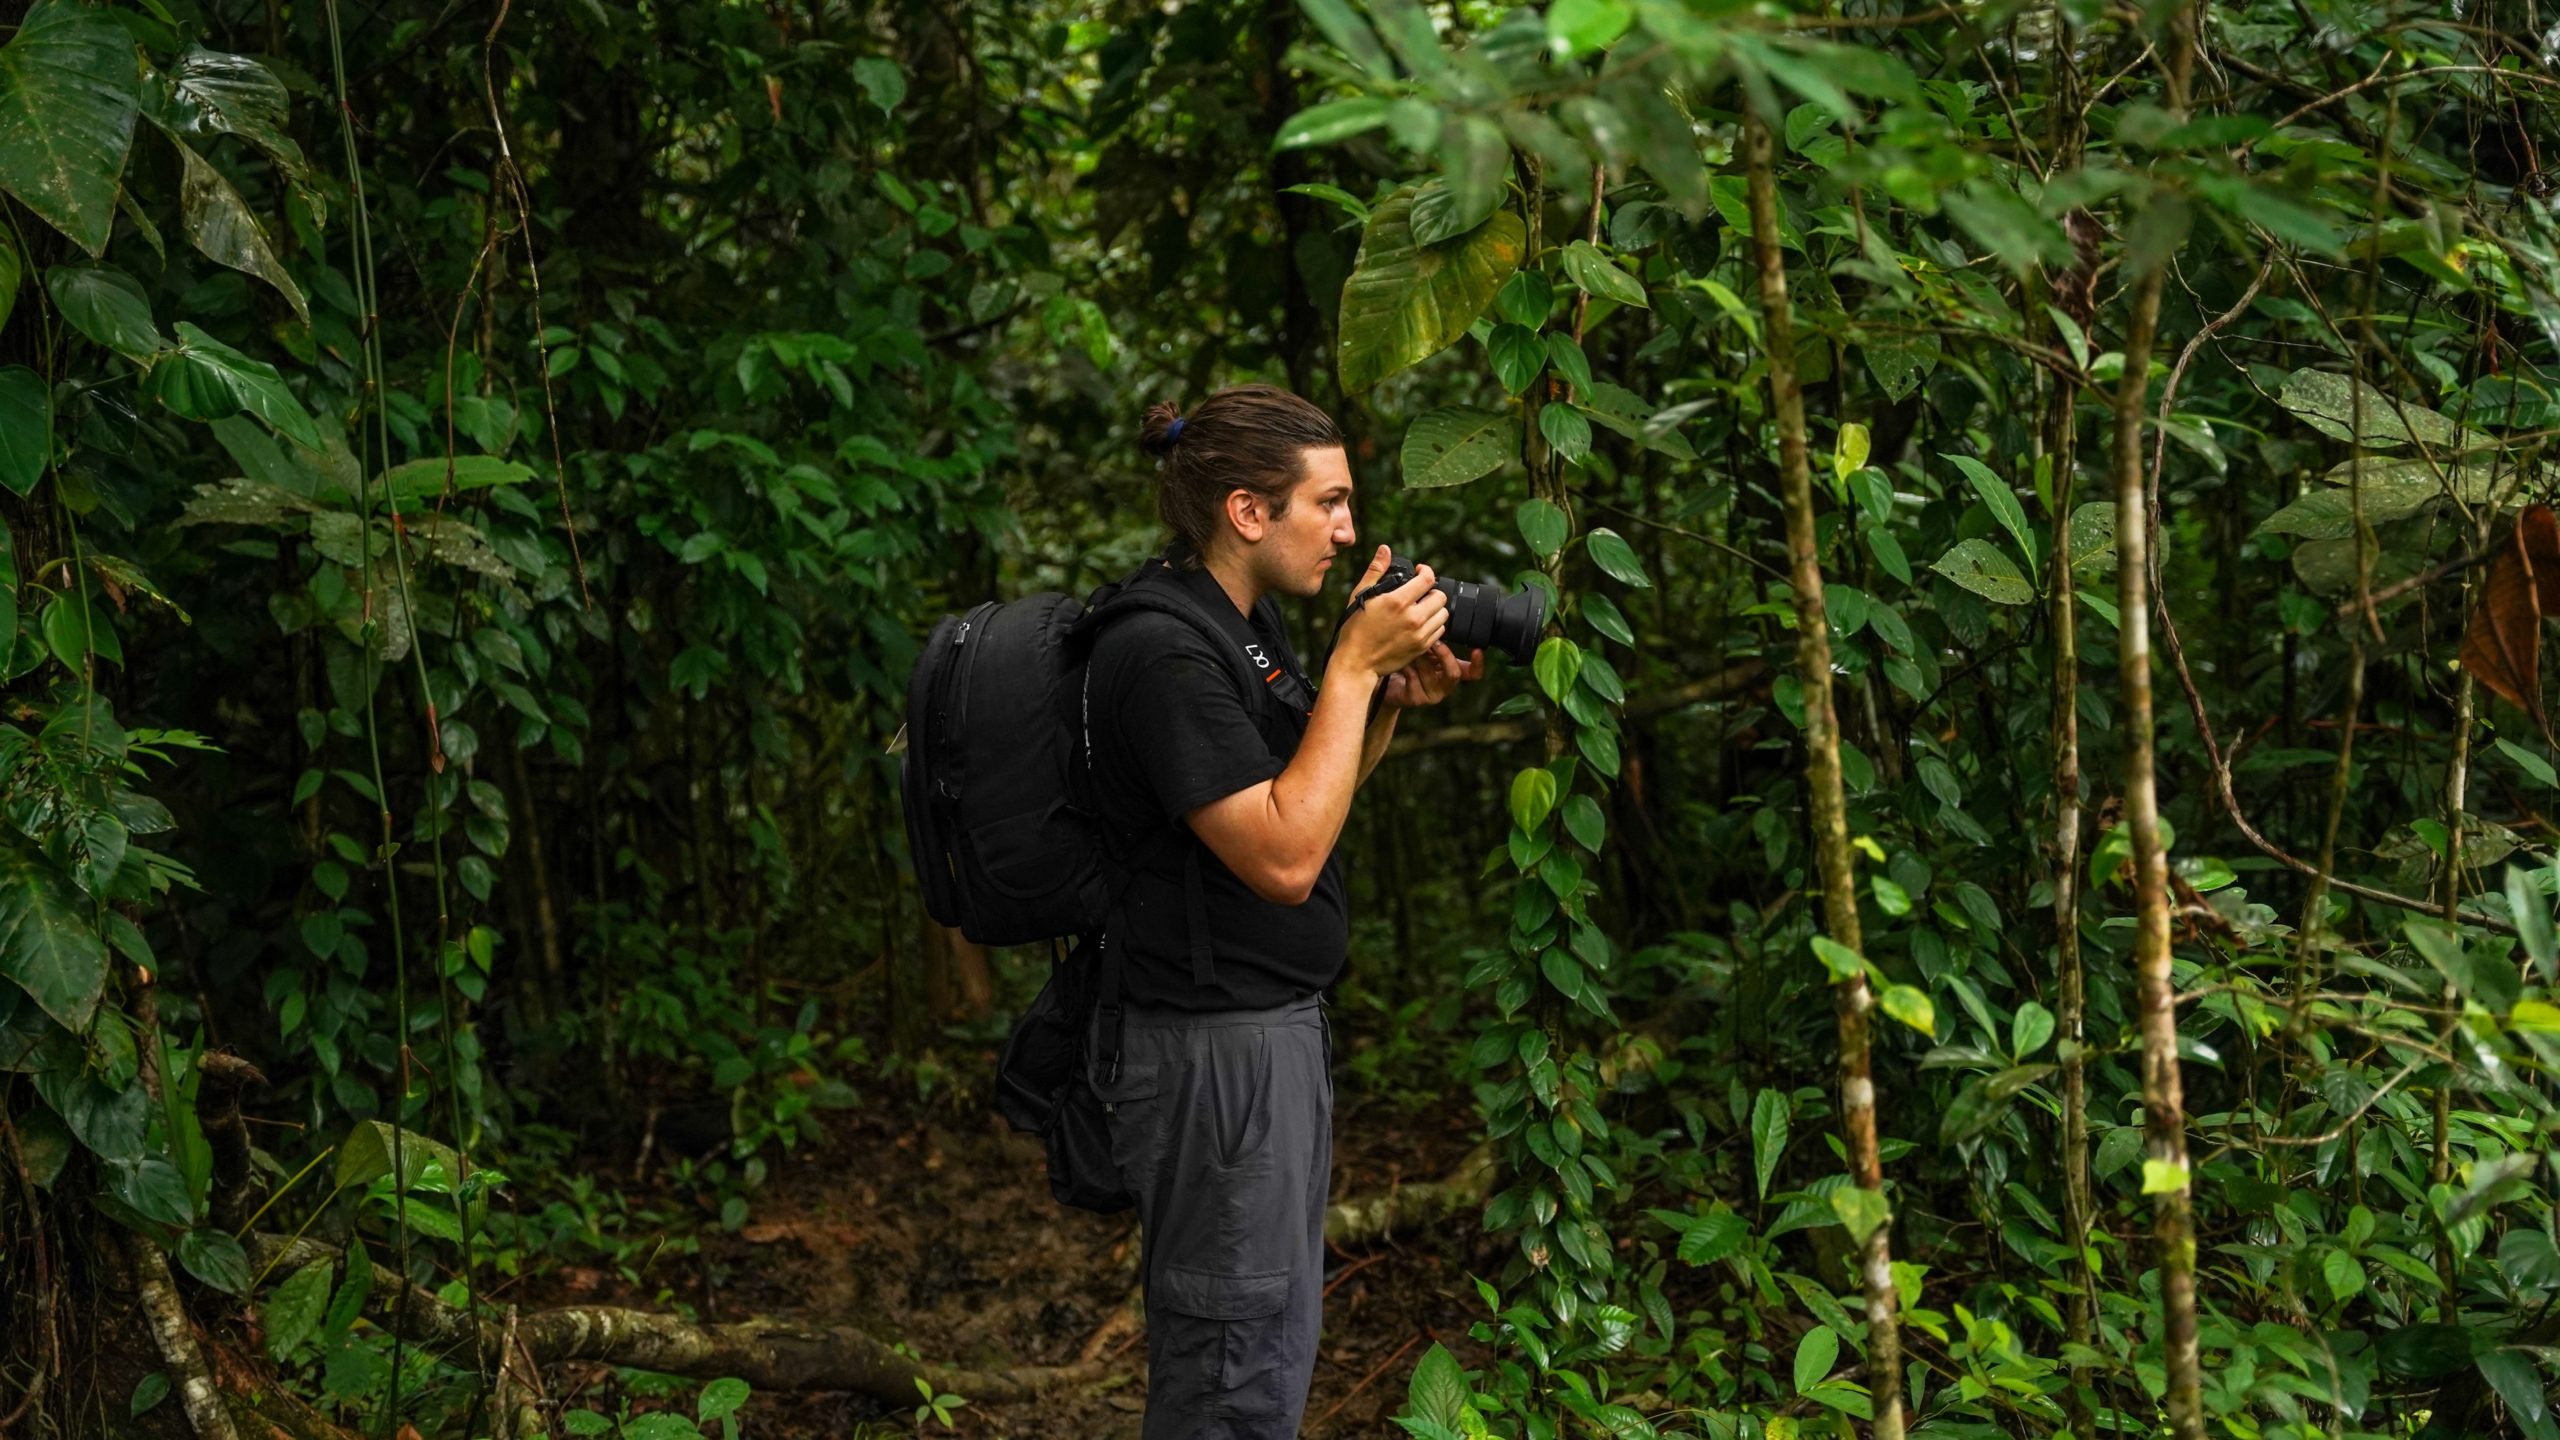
point(933, 1225)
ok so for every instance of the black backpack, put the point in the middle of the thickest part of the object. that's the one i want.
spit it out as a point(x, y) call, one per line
point(1010, 847)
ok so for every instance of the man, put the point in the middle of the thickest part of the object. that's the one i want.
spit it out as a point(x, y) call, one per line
point(1221, 1110)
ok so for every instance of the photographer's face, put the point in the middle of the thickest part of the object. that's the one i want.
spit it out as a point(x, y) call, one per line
point(1293, 552)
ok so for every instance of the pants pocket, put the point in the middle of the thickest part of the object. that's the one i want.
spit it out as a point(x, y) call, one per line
point(1220, 1347)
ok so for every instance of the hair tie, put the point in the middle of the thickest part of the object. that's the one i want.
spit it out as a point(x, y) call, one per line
point(1173, 431)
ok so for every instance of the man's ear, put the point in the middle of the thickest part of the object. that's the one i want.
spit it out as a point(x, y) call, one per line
point(1245, 511)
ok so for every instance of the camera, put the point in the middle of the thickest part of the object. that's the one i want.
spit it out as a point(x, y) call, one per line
point(1479, 614)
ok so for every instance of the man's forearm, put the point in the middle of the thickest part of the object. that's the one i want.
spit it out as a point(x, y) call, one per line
point(1373, 745)
point(1311, 798)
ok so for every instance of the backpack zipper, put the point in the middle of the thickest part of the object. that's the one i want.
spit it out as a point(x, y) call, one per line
point(954, 717)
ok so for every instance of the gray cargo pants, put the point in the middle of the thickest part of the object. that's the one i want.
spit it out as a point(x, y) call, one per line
point(1222, 1125)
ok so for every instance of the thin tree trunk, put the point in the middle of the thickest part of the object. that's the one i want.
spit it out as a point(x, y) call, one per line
point(2070, 981)
point(2062, 451)
point(1826, 800)
point(2163, 1099)
point(2456, 778)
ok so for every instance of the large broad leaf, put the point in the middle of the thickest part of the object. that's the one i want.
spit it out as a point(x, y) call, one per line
point(106, 305)
point(1438, 1392)
point(1407, 301)
point(2093, 538)
point(12, 270)
point(2330, 514)
point(26, 429)
point(426, 479)
point(204, 379)
point(47, 944)
point(1474, 160)
point(219, 223)
point(67, 103)
point(2345, 409)
point(211, 93)
point(424, 1163)
point(1979, 566)
point(1458, 443)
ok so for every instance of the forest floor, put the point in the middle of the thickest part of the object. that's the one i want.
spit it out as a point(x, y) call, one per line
point(931, 1224)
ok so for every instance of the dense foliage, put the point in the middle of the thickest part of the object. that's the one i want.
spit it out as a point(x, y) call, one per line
point(473, 482)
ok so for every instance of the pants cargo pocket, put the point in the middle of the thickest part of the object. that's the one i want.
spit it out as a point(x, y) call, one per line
point(1221, 1343)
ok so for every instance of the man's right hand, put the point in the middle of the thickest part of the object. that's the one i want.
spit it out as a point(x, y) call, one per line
point(1395, 628)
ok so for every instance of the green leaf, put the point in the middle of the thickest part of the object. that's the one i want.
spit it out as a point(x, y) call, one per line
point(1815, 1355)
point(47, 944)
point(1518, 355)
point(204, 379)
point(721, 1397)
point(366, 1157)
point(1978, 566)
point(1335, 120)
point(1714, 1236)
point(2475, 974)
point(1584, 822)
point(1533, 798)
point(1458, 443)
point(1567, 429)
point(148, 1392)
point(1860, 1210)
point(293, 1312)
point(1617, 408)
point(1543, 526)
point(1350, 34)
point(1611, 552)
point(211, 93)
point(216, 1259)
point(2511, 1373)
point(1839, 960)
point(2534, 766)
point(218, 222)
point(1597, 275)
point(883, 83)
point(68, 98)
point(1407, 301)
point(12, 271)
point(2163, 1177)
point(1525, 299)
point(106, 305)
point(1603, 615)
point(2002, 500)
point(1768, 1136)
point(1557, 665)
point(1474, 160)
point(1850, 455)
point(2341, 1270)
point(1565, 354)
point(76, 627)
point(1579, 27)
point(1438, 1391)
point(1910, 1005)
point(2329, 403)
point(426, 479)
point(2029, 1029)
point(26, 428)
point(1983, 1100)
point(2326, 514)
point(2093, 538)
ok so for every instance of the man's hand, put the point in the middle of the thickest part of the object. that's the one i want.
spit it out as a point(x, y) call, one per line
point(1395, 629)
point(1431, 679)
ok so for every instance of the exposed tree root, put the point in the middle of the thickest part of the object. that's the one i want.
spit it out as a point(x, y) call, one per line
point(1372, 1218)
point(767, 1354)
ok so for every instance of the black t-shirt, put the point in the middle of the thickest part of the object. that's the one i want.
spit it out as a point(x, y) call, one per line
point(1173, 731)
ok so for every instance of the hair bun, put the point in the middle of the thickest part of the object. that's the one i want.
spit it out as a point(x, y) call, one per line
point(1157, 432)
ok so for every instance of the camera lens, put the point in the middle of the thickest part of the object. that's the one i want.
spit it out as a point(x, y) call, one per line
point(1481, 615)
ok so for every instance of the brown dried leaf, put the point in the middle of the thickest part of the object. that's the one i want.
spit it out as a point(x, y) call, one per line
point(2502, 648)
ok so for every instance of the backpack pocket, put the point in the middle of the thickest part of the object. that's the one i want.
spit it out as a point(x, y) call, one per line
point(1031, 876)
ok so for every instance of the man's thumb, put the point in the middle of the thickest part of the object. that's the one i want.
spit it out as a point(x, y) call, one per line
point(1377, 567)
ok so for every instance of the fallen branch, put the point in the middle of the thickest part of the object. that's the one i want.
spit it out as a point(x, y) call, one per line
point(1410, 1207)
point(176, 1336)
point(767, 1354)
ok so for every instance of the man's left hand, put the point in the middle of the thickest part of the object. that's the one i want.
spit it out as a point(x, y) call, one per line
point(1429, 680)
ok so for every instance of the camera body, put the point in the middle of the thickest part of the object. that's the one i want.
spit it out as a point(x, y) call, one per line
point(1480, 615)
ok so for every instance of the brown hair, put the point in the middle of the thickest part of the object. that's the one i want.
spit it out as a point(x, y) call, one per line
point(1249, 437)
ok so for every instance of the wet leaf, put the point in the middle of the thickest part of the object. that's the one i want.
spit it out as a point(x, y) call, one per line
point(219, 224)
point(47, 945)
point(106, 305)
point(1980, 567)
point(1407, 301)
point(68, 98)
